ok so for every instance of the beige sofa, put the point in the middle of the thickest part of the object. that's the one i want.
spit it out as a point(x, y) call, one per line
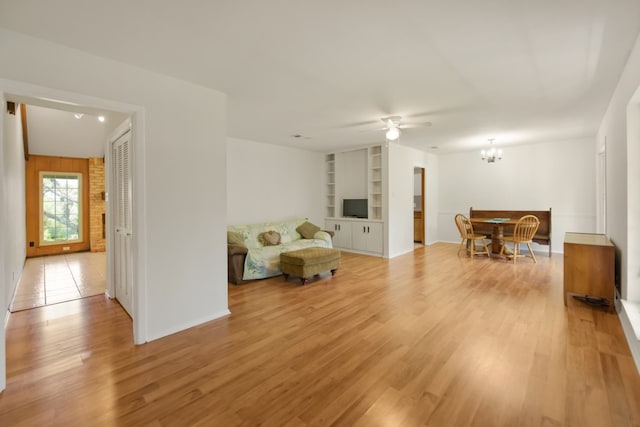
point(251, 256)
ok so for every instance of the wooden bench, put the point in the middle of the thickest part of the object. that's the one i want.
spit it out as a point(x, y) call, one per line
point(543, 235)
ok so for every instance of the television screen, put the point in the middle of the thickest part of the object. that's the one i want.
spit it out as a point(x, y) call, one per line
point(355, 208)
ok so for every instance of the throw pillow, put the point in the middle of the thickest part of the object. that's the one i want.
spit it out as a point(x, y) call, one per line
point(234, 238)
point(307, 230)
point(269, 238)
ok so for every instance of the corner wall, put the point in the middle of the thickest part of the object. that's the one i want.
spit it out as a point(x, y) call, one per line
point(179, 173)
point(620, 130)
point(14, 239)
point(12, 217)
point(402, 161)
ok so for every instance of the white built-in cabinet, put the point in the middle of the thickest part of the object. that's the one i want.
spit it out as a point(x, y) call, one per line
point(341, 232)
point(357, 235)
point(356, 174)
point(366, 236)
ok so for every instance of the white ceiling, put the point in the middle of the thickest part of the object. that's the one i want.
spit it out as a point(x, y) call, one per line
point(514, 70)
point(54, 132)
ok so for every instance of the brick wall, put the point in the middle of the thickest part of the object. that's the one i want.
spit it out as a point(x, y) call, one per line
point(96, 204)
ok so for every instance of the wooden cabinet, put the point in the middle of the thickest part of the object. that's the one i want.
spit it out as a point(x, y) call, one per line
point(357, 235)
point(418, 226)
point(589, 266)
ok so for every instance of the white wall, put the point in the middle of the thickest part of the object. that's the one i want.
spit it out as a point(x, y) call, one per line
point(432, 197)
point(402, 161)
point(620, 128)
point(179, 173)
point(271, 183)
point(621, 189)
point(558, 175)
point(4, 227)
point(14, 239)
point(351, 168)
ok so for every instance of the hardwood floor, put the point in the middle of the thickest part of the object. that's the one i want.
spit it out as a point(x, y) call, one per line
point(428, 338)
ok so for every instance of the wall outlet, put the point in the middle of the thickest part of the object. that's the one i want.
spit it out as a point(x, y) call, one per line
point(66, 248)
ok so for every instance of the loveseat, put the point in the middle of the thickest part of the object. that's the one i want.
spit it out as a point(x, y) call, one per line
point(254, 250)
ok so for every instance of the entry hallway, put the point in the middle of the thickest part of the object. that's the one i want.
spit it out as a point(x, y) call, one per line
point(427, 338)
point(52, 279)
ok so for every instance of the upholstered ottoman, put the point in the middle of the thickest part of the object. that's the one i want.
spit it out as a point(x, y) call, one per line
point(308, 262)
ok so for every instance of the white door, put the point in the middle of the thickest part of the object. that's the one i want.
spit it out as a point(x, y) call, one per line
point(122, 221)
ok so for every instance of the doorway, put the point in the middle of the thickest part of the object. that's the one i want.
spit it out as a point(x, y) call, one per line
point(121, 199)
point(64, 206)
point(419, 216)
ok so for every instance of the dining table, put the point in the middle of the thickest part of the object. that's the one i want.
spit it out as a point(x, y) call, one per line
point(497, 230)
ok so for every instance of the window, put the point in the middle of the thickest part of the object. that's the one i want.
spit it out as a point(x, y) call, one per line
point(61, 208)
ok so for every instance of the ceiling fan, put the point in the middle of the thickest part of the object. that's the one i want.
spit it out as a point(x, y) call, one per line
point(394, 127)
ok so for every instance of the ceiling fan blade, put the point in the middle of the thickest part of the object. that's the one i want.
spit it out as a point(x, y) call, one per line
point(392, 120)
point(357, 124)
point(416, 125)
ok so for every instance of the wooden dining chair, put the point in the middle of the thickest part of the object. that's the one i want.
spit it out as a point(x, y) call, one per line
point(523, 232)
point(469, 237)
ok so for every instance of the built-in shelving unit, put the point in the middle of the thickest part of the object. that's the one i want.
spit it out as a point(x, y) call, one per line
point(357, 174)
point(375, 182)
point(331, 185)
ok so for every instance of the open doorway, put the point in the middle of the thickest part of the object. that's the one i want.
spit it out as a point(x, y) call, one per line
point(418, 207)
point(65, 206)
point(82, 260)
point(64, 183)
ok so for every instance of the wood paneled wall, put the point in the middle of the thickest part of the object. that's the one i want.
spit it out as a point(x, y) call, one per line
point(34, 166)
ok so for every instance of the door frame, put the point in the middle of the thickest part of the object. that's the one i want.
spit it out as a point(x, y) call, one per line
point(22, 92)
point(110, 184)
point(423, 198)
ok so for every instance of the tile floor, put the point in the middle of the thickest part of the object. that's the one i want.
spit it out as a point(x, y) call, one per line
point(57, 278)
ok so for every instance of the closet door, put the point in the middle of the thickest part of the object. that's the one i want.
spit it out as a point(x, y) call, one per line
point(122, 221)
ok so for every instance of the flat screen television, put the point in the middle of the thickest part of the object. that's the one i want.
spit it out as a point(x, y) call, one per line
point(357, 208)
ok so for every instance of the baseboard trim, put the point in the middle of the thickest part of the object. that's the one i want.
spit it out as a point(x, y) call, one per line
point(632, 339)
point(187, 325)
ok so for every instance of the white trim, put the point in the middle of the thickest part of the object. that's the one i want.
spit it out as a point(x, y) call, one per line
point(191, 324)
point(632, 309)
point(631, 334)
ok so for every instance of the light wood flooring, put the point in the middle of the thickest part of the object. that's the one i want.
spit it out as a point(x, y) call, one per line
point(427, 338)
point(57, 278)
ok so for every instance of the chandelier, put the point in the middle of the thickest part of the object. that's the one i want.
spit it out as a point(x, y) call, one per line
point(491, 154)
